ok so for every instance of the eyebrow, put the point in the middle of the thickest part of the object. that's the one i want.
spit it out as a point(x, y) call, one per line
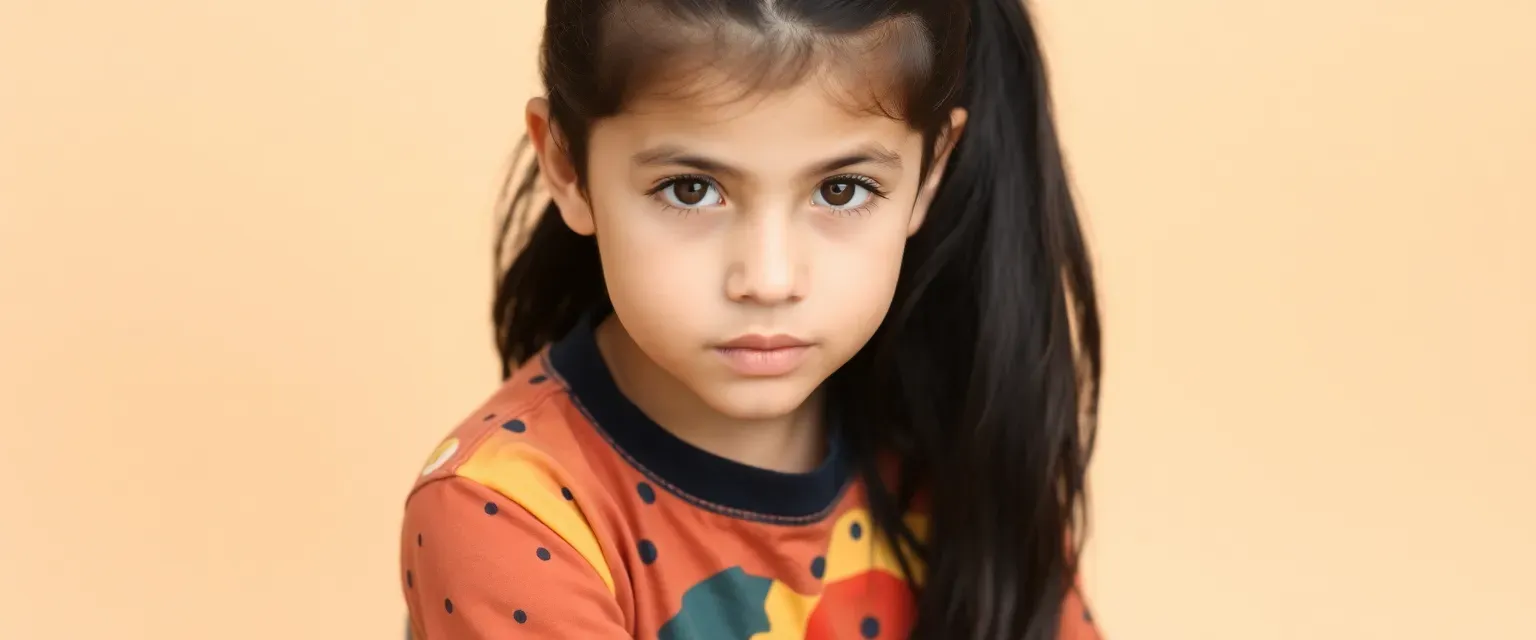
point(675, 155)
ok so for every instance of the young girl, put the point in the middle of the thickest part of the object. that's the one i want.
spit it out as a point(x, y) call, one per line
point(805, 344)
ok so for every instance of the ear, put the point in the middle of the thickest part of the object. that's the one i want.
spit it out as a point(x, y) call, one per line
point(944, 145)
point(558, 171)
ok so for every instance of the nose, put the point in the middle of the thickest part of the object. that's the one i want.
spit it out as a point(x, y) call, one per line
point(766, 265)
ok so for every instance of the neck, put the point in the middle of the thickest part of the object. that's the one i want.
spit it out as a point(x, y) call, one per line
point(790, 443)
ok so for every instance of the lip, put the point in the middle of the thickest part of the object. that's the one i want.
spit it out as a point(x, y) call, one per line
point(761, 356)
point(764, 343)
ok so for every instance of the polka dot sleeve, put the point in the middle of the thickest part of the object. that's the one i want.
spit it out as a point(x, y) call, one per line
point(476, 565)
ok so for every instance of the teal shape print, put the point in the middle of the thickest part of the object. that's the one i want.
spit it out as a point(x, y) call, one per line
point(726, 606)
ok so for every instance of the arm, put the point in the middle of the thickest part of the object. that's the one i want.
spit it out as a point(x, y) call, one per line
point(477, 565)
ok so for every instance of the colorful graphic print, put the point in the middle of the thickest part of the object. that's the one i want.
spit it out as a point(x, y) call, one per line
point(864, 596)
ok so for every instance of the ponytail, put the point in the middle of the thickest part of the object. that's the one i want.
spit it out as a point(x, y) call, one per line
point(542, 293)
point(993, 347)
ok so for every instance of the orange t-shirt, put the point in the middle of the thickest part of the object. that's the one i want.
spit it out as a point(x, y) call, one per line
point(559, 510)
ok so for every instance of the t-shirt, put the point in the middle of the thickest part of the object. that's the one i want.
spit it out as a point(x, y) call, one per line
point(559, 510)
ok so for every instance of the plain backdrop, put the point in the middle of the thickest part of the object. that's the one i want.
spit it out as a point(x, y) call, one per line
point(245, 270)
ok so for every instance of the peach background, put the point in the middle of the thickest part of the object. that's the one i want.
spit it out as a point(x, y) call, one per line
point(244, 274)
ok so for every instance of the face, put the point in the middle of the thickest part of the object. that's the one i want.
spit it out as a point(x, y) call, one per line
point(750, 247)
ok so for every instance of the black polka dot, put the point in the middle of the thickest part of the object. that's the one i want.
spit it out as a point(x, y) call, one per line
point(515, 426)
point(537, 380)
point(519, 616)
point(646, 492)
point(448, 604)
point(818, 567)
point(489, 417)
point(857, 531)
point(491, 509)
point(870, 627)
point(647, 551)
point(543, 553)
point(410, 580)
point(1087, 615)
point(565, 492)
point(418, 539)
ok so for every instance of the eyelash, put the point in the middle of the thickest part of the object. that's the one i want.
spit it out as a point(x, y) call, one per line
point(667, 183)
point(866, 182)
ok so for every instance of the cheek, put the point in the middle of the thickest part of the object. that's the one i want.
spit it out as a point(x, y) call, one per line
point(653, 279)
point(650, 279)
point(856, 278)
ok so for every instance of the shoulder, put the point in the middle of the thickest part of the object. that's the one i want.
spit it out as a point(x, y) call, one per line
point(524, 435)
point(516, 473)
point(527, 447)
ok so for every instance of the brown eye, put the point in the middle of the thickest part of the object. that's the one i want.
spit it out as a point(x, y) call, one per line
point(841, 194)
point(837, 194)
point(691, 193)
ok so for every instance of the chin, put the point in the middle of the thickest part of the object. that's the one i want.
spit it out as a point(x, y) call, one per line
point(759, 399)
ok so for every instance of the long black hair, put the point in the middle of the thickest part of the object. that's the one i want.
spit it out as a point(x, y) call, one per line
point(982, 382)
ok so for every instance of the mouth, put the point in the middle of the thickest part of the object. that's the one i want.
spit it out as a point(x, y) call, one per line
point(762, 356)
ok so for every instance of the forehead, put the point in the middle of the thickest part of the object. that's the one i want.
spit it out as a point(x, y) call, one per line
point(808, 120)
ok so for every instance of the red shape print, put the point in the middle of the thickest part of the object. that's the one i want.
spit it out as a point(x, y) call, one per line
point(874, 604)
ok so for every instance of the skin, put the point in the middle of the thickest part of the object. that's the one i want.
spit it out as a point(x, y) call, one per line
point(767, 240)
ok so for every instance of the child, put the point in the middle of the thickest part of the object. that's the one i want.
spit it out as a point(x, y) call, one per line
point(804, 346)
